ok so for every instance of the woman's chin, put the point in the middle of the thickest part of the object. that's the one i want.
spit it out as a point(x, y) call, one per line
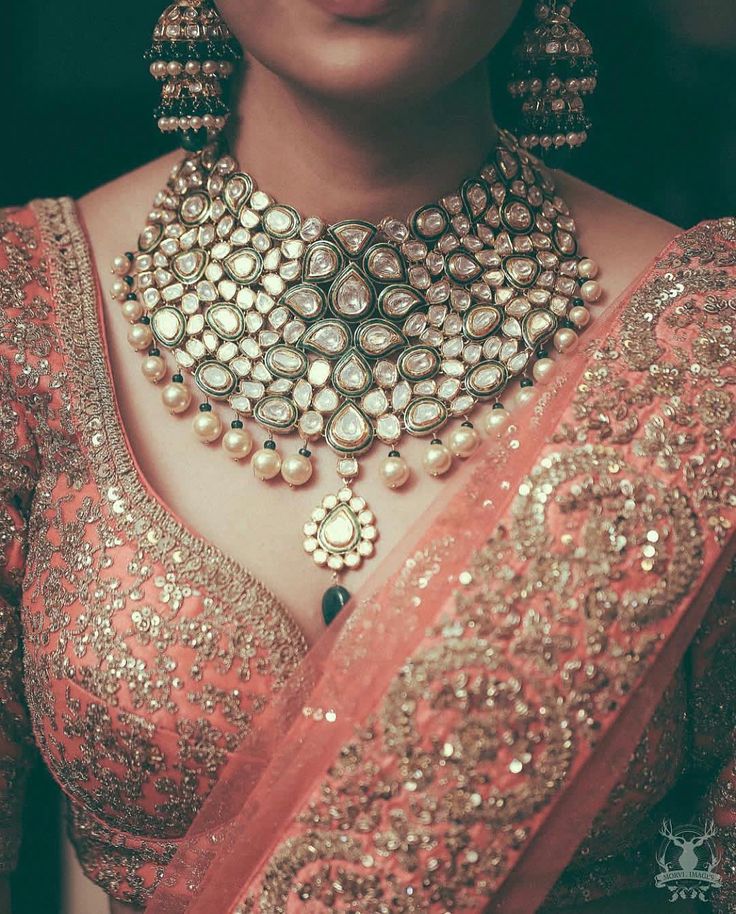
point(381, 74)
point(400, 50)
point(368, 87)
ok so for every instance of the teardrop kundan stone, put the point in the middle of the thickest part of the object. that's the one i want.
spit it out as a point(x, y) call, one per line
point(306, 301)
point(486, 379)
point(323, 262)
point(352, 375)
point(328, 337)
point(383, 263)
point(538, 325)
point(424, 416)
point(481, 321)
point(352, 295)
point(349, 431)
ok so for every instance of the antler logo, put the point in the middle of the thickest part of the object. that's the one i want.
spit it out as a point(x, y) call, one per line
point(687, 858)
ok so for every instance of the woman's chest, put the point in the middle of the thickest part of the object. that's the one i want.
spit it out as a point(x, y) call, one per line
point(146, 657)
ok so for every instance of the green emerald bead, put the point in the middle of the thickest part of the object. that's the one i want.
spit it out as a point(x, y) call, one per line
point(333, 601)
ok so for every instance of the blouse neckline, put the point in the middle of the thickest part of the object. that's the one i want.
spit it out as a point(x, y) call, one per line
point(134, 501)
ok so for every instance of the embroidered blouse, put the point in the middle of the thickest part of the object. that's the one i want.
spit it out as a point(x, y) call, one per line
point(135, 655)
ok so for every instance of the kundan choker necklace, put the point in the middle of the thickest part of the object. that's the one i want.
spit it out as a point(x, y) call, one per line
point(353, 334)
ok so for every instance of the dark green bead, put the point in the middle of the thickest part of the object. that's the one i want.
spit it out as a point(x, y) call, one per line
point(194, 140)
point(333, 601)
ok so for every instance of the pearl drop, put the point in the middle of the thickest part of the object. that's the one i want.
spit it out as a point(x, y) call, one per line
point(121, 265)
point(565, 340)
point(543, 370)
point(131, 310)
point(591, 290)
point(496, 420)
point(587, 268)
point(153, 368)
point(579, 315)
point(437, 459)
point(394, 472)
point(119, 289)
point(524, 395)
point(266, 463)
point(237, 443)
point(176, 397)
point(296, 469)
point(140, 336)
point(207, 426)
point(464, 441)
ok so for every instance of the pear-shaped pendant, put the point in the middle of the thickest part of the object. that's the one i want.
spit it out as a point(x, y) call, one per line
point(341, 531)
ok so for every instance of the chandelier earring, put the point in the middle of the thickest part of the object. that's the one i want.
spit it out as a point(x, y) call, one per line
point(193, 55)
point(554, 70)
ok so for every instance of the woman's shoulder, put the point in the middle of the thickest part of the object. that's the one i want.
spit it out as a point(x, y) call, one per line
point(598, 211)
point(621, 237)
point(117, 208)
point(115, 212)
point(626, 240)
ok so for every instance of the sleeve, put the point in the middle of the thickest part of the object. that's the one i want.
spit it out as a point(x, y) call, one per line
point(713, 715)
point(18, 474)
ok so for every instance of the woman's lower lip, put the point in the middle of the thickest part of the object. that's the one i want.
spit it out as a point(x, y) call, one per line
point(358, 9)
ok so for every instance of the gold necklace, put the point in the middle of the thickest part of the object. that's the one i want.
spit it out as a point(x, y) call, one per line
point(353, 333)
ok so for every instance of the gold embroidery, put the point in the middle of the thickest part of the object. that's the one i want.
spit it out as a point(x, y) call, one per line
point(18, 478)
point(128, 615)
point(558, 624)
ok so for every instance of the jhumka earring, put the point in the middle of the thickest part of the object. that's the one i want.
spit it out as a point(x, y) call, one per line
point(554, 70)
point(193, 54)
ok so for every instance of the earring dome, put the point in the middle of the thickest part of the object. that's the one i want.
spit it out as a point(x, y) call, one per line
point(193, 54)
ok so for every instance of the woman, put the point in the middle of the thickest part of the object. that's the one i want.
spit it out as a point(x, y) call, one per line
point(535, 672)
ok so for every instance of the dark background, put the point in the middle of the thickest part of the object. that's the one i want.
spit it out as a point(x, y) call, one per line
point(76, 112)
point(77, 100)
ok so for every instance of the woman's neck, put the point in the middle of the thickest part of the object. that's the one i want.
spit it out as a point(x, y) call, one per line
point(342, 161)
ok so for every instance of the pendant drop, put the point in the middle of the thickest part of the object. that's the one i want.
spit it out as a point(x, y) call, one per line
point(333, 601)
point(341, 531)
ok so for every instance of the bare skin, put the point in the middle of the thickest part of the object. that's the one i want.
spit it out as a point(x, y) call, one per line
point(307, 143)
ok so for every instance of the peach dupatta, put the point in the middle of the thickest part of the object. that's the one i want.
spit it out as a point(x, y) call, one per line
point(449, 740)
